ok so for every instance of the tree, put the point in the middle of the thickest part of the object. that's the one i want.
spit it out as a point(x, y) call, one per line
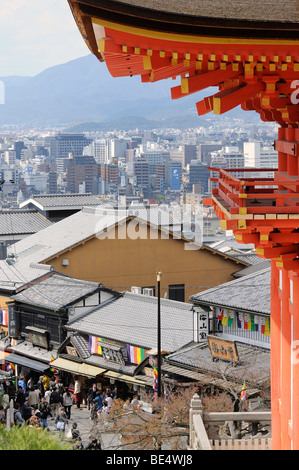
point(167, 426)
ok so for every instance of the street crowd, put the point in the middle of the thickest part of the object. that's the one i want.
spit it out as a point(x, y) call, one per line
point(34, 404)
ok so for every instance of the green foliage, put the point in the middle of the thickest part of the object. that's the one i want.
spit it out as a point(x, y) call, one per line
point(27, 438)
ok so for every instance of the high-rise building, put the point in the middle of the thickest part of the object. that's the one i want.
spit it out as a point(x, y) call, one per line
point(141, 171)
point(257, 156)
point(189, 153)
point(81, 169)
point(199, 173)
point(52, 182)
point(109, 173)
point(64, 144)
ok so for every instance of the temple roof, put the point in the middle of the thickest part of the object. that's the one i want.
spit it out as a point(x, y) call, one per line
point(271, 15)
point(255, 10)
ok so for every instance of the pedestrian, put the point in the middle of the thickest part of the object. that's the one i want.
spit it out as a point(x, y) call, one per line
point(99, 401)
point(104, 410)
point(46, 381)
point(18, 418)
point(30, 383)
point(20, 397)
point(33, 396)
point(61, 420)
point(44, 410)
point(92, 394)
point(34, 420)
point(55, 402)
point(67, 401)
point(52, 382)
point(26, 410)
point(60, 387)
point(109, 400)
point(94, 444)
point(75, 432)
point(40, 386)
point(22, 384)
point(77, 392)
point(135, 403)
point(48, 395)
point(11, 390)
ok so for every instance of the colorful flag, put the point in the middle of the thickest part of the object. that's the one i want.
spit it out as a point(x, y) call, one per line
point(243, 391)
point(94, 346)
point(252, 324)
point(220, 313)
point(267, 327)
point(225, 317)
point(51, 360)
point(4, 317)
point(239, 321)
point(135, 355)
point(246, 321)
point(10, 367)
point(230, 318)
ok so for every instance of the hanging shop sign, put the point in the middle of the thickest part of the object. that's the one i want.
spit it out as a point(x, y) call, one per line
point(13, 322)
point(38, 337)
point(223, 349)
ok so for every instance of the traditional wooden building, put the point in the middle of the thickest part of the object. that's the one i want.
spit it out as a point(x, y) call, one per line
point(121, 250)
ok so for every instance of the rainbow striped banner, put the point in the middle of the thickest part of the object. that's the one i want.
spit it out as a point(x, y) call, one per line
point(135, 355)
point(4, 317)
point(94, 346)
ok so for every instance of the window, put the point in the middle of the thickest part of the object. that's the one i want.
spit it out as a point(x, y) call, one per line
point(177, 292)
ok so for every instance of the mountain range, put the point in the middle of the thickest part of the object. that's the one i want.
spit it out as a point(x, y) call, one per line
point(82, 93)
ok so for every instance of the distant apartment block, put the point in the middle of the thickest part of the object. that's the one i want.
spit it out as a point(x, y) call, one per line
point(141, 172)
point(64, 144)
point(81, 170)
point(257, 156)
point(109, 173)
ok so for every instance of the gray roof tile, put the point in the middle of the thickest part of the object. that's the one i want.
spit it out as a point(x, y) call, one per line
point(17, 222)
point(132, 319)
point(250, 293)
point(56, 292)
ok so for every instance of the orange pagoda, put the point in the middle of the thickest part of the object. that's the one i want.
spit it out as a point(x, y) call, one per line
point(250, 51)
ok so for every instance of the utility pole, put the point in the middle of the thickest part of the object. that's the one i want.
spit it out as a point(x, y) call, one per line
point(159, 275)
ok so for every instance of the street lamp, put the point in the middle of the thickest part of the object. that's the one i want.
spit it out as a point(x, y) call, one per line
point(159, 276)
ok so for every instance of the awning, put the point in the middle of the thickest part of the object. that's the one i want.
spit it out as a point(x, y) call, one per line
point(27, 362)
point(124, 378)
point(76, 368)
point(4, 354)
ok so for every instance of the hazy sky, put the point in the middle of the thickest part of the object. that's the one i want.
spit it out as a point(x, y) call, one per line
point(37, 34)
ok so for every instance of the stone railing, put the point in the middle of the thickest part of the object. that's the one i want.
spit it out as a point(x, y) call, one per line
point(236, 430)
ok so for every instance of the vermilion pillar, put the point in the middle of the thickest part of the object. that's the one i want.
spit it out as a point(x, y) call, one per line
point(294, 309)
point(275, 356)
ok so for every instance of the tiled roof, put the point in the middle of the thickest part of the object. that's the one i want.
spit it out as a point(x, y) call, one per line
point(132, 319)
point(250, 293)
point(62, 235)
point(253, 362)
point(56, 292)
point(60, 201)
point(15, 222)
